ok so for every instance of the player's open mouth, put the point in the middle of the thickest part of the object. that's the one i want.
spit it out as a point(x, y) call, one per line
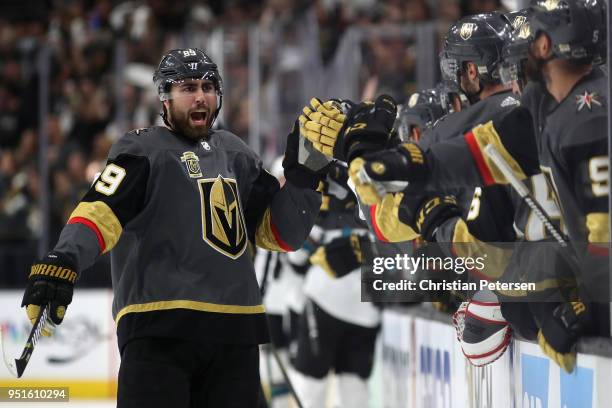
point(198, 118)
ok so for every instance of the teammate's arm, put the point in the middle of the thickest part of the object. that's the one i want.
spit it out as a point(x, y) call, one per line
point(457, 162)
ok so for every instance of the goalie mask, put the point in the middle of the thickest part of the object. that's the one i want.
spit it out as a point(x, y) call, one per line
point(181, 64)
point(482, 331)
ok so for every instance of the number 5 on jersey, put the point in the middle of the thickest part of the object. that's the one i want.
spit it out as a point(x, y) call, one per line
point(109, 180)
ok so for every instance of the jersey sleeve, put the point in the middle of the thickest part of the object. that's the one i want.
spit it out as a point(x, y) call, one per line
point(115, 197)
point(587, 163)
point(462, 161)
point(279, 219)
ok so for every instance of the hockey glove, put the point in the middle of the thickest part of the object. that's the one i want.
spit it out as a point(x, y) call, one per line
point(365, 127)
point(378, 173)
point(321, 123)
point(296, 173)
point(433, 213)
point(558, 335)
point(51, 281)
point(341, 256)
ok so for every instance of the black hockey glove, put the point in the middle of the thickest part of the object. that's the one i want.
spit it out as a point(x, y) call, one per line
point(296, 173)
point(426, 214)
point(340, 256)
point(558, 335)
point(51, 281)
point(378, 173)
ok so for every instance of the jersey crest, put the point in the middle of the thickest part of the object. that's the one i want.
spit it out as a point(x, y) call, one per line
point(223, 225)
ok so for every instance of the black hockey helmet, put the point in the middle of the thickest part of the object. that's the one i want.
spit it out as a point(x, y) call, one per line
point(576, 28)
point(422, 109)
point(478, 39)
point(187, 63)
point(516, 49)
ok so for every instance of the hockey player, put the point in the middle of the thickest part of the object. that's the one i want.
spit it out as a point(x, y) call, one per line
point(421, 112)
point(570, 145)
point(470, 60)
point(177, 204)
point(337, 331)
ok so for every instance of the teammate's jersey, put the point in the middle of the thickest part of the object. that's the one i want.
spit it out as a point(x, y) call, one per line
point(487, 210)
point(456, 124)
point(178, 215)
point(573, 150)
point(339, 297)
point(280, 280)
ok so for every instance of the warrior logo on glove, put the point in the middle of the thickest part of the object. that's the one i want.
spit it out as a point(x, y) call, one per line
point(51, 281)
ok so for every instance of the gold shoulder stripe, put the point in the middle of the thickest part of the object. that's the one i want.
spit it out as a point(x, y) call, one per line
point(386, 218)
point(103, 219)
point(485, 135)
point(190, 305)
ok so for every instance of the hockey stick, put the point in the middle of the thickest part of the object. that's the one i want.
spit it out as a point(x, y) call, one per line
point(18, 365)
point(525, 194)
point(275, 352)
point(283, 371)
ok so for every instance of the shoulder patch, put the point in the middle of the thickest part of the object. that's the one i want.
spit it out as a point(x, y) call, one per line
point(588, 99)
point(509, 101)
point(139, 130)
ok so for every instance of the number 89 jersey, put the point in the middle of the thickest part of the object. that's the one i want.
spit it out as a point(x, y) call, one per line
point(178, 215)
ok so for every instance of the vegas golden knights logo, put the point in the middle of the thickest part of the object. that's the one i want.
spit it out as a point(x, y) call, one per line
point(192, 162)
point(466, 30)
point(518, 21)
point(550, 5)
point(525, 31)
point(223, 225)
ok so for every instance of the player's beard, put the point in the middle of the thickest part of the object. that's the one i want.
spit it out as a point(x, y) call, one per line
point(180, 123)
point(471, 89)
point(533, 69)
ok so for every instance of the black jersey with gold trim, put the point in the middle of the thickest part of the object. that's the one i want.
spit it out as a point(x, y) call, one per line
point(456, 124)
point(177, 216)
point(573, 150)
point(487, 210)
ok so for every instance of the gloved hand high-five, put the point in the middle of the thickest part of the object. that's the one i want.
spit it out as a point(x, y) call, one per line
point(365, 127)
point(51, 281)
point(378, 173)
point(321, 122)
point(298, 174)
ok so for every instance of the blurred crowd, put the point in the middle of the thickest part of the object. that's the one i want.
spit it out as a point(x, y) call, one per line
point(89, 105)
